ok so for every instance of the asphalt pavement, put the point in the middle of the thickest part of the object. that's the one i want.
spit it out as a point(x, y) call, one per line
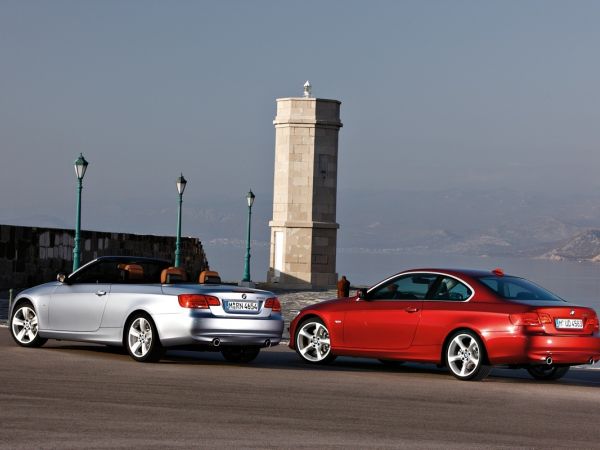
point(70, 395)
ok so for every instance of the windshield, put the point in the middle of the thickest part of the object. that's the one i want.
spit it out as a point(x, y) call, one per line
point(515, 288)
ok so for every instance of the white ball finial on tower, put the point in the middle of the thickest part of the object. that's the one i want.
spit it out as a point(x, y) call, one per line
point(307, 89)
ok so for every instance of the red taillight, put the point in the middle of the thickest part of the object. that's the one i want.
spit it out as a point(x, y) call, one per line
point(593, 322)
point(197, 301)
point(274, 304)
point(525, 319)
point(530, 319)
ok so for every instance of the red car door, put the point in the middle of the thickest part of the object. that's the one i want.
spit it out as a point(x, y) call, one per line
point(388, 317)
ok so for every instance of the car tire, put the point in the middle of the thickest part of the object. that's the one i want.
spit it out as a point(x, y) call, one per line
point(240, 354)
point(141, 339)
point(547, 373)
point(24, 326)
point(313, 343)
point(465, 356)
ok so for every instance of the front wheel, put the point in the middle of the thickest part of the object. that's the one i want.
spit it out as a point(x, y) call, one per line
point(465, 356)
point(546, 373)
point(313, 343)
point(240, 354)
point(24, 326)
point(142, 340)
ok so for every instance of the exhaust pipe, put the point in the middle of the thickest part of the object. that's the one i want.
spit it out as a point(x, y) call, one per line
point(549, 360)
point(216, 342)
point(268, 343)
point(591, 361)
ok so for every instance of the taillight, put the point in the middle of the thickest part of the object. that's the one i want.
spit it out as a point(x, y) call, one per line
point(274, 304)
point(530, 319)
point(593, 321)
point(197, 301)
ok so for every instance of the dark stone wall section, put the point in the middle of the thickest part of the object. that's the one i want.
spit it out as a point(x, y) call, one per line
point(31, 255)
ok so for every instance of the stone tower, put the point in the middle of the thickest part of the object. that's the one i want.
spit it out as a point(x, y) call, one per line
point(304, 228)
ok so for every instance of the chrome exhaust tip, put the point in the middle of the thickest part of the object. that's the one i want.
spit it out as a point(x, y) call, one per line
point(216, 342)
point(268, 343)
point(549, 360)
point(591, 361)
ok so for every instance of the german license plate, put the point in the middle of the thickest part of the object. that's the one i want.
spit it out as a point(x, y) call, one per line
point(569, 323)
point(235, 306)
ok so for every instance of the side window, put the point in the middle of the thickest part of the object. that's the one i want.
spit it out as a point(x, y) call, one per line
point(101, 272)
point(451, 289)
point(407, 287)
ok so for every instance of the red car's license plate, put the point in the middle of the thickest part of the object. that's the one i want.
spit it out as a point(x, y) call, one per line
point(569, 323)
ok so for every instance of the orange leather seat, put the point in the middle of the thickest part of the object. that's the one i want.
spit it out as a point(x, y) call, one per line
point(172, 275)
point(209, 277)
point(134, 272)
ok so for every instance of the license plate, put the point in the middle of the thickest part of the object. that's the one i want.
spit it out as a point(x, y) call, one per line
point(568, 323)
point(232, 305)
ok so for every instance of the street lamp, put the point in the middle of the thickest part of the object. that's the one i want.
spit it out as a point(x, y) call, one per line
point(181, 182)
point(80, 168)
point(250, 199)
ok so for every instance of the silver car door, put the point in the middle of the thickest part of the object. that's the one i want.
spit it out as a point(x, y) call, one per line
point(78, 307)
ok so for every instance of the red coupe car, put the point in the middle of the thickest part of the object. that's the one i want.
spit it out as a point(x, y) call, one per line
point(466, 320)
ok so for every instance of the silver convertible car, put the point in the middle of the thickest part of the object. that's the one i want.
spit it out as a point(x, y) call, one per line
point(147, 306)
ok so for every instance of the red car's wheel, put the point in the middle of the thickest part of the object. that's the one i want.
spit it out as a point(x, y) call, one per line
point(313, 343)
point(465, 356)
point(545, 372)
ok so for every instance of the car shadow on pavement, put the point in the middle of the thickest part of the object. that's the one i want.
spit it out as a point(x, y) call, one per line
point(283, 359)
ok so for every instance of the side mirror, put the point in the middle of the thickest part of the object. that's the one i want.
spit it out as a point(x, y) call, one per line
point(62, 277)
point(362, 293)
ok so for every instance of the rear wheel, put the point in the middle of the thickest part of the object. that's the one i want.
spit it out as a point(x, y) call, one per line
point(465, 356)
point(24, 326)
point(240, 354)
point(546, 372)
point(313, 343)
point(141, 339)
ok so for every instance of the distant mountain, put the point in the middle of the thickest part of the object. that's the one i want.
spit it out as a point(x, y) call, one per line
point(584, 246)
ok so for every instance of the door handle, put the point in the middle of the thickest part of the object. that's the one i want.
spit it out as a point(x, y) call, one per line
point(100, 293)
point(411, 309)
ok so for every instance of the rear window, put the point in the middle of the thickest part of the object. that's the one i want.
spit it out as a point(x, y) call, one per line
point(515, 288)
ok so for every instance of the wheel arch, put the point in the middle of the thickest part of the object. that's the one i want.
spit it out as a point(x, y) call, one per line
point(128, 320)
point(451, 333)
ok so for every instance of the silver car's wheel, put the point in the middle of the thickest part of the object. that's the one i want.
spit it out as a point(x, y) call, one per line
point(24, 326)
point(142, 339)
point(313, 343)
point(465, 356)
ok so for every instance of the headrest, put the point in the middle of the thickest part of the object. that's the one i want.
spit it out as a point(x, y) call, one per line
point(172, 275)
point(209, 277)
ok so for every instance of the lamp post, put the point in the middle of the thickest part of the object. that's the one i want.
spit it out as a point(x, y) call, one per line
point(250, 199)
point(181, 182)
point(80, 168)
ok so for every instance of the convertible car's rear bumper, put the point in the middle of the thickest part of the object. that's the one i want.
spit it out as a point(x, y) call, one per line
point(183, 330)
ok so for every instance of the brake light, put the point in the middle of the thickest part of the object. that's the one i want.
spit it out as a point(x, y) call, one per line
point(274, 304)
point(525, 319)
point(593, 321)
point(197, 301)
point(530, 319)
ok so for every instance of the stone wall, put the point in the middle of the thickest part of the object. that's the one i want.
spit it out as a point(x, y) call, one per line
point(31, 255)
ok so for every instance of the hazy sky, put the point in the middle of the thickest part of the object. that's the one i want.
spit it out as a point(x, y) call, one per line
point(435, 95)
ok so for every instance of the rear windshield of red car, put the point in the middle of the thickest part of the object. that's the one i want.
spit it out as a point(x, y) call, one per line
point(515, 288)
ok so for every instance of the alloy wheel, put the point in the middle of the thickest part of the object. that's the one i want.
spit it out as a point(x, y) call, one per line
point(464, 357)
point(140, 337)
point(313, 343)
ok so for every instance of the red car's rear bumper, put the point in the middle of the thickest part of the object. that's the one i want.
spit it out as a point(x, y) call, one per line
point(527, 349)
